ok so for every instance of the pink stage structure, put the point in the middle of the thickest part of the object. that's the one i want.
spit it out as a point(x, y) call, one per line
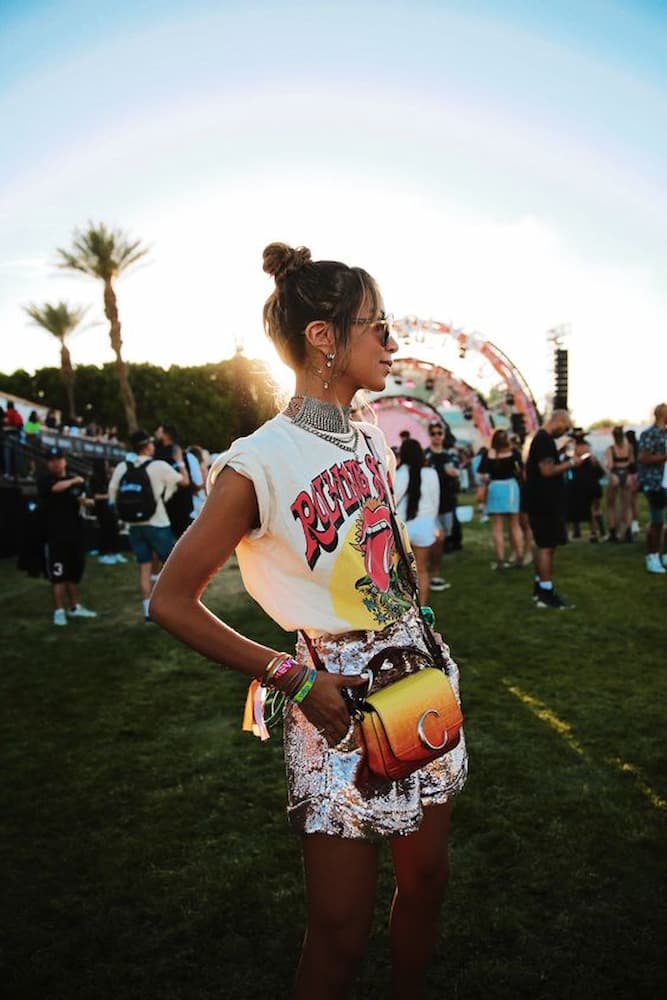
point(468, 381)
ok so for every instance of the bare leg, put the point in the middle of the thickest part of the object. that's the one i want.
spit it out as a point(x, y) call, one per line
point(423, 576)
point(528, 540)
point(498, 536)
point(653, 536)
point(422, 871)
point(72, 594)
point(612, 493)
point(435, 556)
point(516, 537)
point(626, 504)
point(544, 564)
point(145, 585)
point(340, 894)
point(59, 591)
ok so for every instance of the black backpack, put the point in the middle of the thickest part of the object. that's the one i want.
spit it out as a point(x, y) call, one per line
point(135, 500)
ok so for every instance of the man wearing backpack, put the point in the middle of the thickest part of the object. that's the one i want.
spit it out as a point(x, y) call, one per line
point(139, 490)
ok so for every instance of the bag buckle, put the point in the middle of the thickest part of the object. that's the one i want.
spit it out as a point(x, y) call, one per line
point(423, 738)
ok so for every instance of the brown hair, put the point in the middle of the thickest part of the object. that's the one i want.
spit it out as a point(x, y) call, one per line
point(500, 440)
point(308, 290)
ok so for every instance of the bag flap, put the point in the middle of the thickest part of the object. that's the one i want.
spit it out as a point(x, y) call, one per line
point(420, 703)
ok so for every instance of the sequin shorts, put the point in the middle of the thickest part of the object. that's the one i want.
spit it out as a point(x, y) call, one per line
point(330, 789)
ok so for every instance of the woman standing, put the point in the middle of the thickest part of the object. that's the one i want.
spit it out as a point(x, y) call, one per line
point(305, 503)
point(502, 467)
point(417, 490)
point(619, 459)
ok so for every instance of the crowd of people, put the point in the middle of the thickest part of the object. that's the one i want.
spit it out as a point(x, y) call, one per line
point(154, 493)
point(535, 501)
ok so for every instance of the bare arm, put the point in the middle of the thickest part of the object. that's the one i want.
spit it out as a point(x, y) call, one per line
point(648, 458)
point(549, 468)
point(230, 512)
point(64, 484)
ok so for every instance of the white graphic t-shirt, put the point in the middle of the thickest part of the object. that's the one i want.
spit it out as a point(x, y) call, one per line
point(323, 558)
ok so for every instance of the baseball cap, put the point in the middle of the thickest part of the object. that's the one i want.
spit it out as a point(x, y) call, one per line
point(139, 437)
point(54, 452)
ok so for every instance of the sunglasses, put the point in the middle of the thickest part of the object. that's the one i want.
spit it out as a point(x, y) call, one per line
point(382, 325)
point(436, 431)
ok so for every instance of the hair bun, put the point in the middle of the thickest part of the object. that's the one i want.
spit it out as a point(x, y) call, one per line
point(279, 260)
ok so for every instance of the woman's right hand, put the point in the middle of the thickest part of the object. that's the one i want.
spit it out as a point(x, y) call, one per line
point(325, 707)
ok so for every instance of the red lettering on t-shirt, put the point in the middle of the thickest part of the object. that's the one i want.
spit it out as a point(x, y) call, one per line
point(334, 495)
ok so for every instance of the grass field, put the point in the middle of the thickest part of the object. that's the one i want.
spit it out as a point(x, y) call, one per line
point(145, 851)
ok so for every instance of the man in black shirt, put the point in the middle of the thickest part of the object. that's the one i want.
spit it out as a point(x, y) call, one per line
point(546, 504)
point(179, 507)
point(61, 497)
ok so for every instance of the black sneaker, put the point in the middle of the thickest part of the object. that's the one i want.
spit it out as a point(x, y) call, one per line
point(551, 599)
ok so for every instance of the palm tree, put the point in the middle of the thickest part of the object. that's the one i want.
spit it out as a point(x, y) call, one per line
point(60, 320)
point(105, 254)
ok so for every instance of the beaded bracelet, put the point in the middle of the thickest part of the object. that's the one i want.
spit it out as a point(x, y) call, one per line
point(305, 687)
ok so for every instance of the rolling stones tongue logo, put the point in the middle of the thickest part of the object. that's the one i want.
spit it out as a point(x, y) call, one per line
point(375, 540)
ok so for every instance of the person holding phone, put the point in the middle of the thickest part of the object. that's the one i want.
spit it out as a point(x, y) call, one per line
point(545, 500)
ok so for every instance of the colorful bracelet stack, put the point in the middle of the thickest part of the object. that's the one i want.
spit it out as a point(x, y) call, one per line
point(277, 667)
point(298, 685)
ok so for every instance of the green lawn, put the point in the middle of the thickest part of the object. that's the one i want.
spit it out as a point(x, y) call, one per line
point(145, 851)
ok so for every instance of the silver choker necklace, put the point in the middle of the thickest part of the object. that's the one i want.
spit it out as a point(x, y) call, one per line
point(325, 420)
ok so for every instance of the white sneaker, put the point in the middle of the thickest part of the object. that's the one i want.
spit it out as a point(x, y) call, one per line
point(438, 584)
point(634, 527)
point(119, 558)
point(107, 560)
point(653, 564)
point(59, 617)
point(80, 612)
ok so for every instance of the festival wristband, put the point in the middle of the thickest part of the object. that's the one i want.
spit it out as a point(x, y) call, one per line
point(299, 695)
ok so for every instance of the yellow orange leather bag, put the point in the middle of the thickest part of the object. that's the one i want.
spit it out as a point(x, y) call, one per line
point(409, 723)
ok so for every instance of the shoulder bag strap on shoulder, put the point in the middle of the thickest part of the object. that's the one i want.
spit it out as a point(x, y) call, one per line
point(429, 638)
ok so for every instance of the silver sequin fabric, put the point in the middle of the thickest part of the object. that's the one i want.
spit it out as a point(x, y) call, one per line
point(330, 789)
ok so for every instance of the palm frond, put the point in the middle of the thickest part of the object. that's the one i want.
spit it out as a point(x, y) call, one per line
point(101, 252)
point(60, 319)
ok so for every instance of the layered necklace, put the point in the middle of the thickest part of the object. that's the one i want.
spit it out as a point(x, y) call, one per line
point(324, 420)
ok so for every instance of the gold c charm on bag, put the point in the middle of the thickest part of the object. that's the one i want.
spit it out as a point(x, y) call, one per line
point(422, 735)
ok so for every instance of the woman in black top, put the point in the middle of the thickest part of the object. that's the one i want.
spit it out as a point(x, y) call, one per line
point(502, 468)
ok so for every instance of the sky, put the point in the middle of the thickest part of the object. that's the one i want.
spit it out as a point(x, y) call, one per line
point(498, 166)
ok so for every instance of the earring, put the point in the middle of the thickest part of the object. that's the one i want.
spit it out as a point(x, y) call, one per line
point(329, 364)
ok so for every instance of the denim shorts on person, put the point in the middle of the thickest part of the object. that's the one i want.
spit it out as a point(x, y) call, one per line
point(421, 531)
point(146, 539)
point(657, 502)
